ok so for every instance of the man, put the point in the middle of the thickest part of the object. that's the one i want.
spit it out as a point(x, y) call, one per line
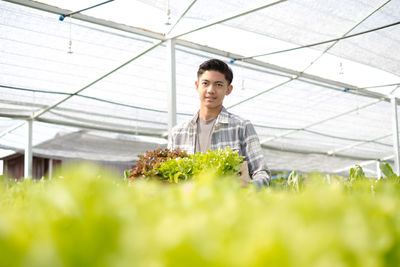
point(213, 127)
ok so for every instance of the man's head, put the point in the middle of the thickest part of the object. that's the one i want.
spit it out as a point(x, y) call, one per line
point(213, 83)
point(216, 65)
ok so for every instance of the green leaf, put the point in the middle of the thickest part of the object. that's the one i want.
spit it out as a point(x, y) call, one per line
point(356, 174)
point(176, 177)
point(126, 174)
point(387, 170)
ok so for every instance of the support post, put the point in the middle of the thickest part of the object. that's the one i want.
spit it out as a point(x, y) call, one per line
point(28, 151)
point(171, 84)
point(395, 135)
point(50, 169)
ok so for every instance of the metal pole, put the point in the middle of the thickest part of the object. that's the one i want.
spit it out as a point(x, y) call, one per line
point(28, 151)
point(395, 135)
point(50, 169)
point(171, 84)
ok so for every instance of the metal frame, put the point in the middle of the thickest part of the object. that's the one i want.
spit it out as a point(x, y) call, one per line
point(28, 158)
point(171, 66)
point(172, 42)
point(395, 136)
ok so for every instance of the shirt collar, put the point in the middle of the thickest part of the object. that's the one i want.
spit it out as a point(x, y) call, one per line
point(223, 117)
point(194, 119)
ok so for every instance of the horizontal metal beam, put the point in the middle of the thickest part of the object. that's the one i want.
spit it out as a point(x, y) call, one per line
point(107, 128)
point(96, 126)
point(82, 17)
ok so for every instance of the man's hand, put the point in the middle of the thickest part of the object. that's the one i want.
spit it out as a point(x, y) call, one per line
point(244, 174)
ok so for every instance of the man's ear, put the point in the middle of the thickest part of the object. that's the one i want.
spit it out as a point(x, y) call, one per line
point(229, 90)
point(197, 85)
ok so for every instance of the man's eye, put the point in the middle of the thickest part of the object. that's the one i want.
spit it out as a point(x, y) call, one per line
point(204, 83)
point(219, 84)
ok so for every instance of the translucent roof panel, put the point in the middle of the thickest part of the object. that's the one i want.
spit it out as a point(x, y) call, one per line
point(41, 68)
point(304, 23)
point(94, 50)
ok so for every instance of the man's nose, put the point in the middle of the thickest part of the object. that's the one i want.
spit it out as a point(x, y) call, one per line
point(211, 89)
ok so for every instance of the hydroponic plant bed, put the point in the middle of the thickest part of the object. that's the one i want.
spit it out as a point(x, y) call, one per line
point(89, 216)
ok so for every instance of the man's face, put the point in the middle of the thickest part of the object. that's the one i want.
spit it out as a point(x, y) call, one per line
point(212, 87)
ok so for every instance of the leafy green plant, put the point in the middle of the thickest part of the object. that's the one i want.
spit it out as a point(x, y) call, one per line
point(126, 174)
point(388, 172)
point(221, 162)
point(295, 181)
point(175, 166)
point(356, 174)
point(148, 163)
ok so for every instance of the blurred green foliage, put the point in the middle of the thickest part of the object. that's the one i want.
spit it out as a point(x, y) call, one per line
point(89, 216)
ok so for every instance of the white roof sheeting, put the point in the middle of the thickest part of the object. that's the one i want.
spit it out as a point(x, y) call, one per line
point(324, 107)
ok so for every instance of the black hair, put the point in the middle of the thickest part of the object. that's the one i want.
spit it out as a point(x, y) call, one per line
point(217, 65)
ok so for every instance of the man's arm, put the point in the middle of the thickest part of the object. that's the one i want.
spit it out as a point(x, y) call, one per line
point(258, 169)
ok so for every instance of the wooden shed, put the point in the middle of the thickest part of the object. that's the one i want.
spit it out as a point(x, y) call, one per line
point(115, 152)
point(13, 166)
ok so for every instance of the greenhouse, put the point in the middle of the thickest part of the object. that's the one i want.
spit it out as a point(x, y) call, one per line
point(95, 171)
point(106, 81)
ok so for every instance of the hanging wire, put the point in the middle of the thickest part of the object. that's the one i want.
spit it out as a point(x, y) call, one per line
point(181, 16)
point(168, 22)
point(341, 72)
point(70, 36)
point(242, 76)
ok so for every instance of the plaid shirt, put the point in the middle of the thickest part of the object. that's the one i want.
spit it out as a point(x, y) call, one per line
point(229, 130)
